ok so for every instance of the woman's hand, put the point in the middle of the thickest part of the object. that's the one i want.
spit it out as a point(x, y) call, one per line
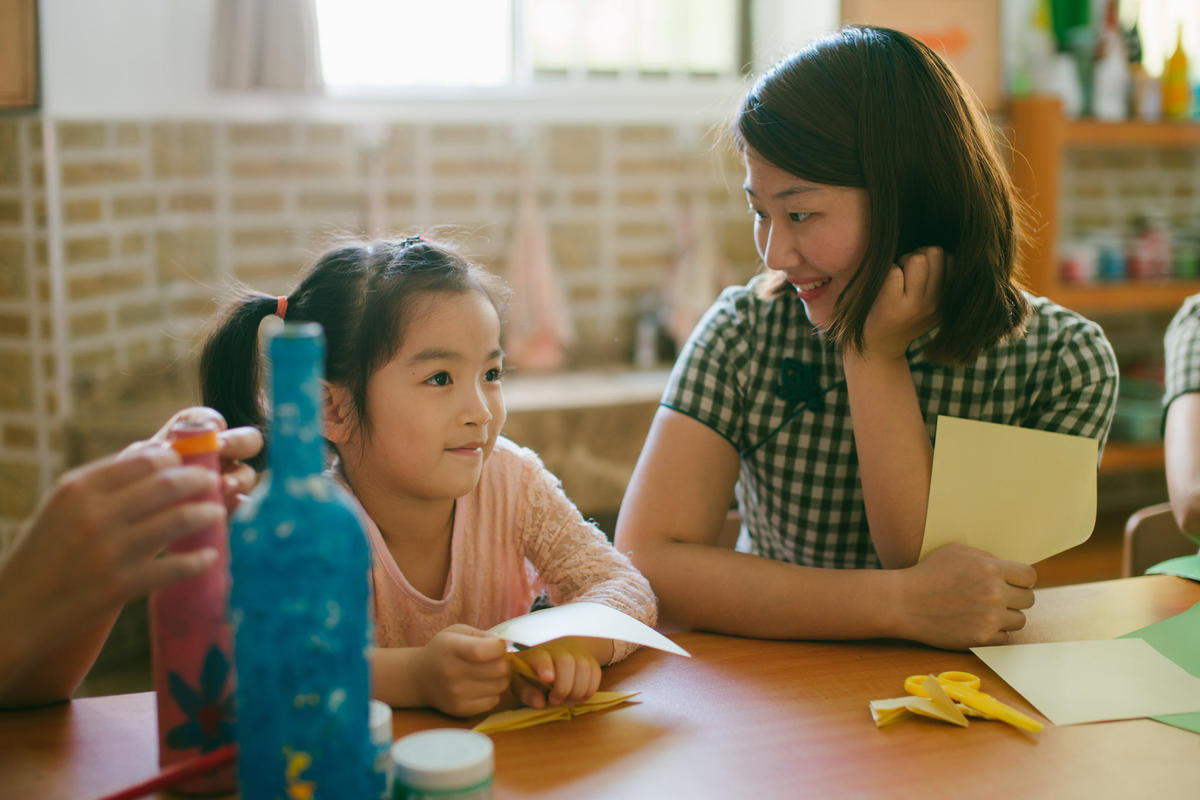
point(91, 545)
point(568, 667)
point(906, 305)
point(462, 671)
point(237, 478)
point(959, 597)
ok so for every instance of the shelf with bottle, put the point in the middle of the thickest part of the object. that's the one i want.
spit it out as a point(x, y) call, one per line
point(1040, 136)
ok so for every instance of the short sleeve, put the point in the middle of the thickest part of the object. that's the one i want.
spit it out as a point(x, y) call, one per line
point(1084, 372)
point(704, 383)
point(1181, 351)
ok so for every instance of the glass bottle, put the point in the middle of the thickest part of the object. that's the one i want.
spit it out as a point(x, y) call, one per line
point(1175, 91)
point(191, 641)
point(299, 603)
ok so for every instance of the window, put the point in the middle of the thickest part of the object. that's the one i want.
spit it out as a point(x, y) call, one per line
point(388, 46)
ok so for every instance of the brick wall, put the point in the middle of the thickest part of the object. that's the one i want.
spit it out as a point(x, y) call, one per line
point(153, 218)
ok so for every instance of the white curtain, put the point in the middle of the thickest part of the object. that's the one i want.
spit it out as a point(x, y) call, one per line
point(266, 44)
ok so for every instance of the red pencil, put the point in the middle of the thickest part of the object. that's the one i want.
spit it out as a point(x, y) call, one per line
point(180, 772)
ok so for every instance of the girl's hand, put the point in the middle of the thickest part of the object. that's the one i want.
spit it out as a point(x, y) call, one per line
point(906, 305)
point(462, 671)
point(959, 597)
point(237, 479)
point(567, 666)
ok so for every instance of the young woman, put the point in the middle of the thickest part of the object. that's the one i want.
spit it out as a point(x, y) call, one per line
point(888, 229)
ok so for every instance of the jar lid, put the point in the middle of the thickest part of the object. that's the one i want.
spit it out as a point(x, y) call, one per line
point(379, 718)
point(443, 758)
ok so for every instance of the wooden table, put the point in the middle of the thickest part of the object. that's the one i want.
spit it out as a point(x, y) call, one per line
point(742, 718)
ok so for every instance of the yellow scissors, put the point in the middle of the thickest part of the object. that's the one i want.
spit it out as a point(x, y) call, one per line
point(964, 687)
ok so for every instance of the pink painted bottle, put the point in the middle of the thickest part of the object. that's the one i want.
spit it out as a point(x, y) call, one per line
point(191, 640)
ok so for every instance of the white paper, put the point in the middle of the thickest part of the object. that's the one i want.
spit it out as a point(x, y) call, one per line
point(582, 619)
point(1094, 681)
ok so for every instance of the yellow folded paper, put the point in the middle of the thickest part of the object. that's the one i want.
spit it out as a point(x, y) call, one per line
point(528, 717)
point(937, 705)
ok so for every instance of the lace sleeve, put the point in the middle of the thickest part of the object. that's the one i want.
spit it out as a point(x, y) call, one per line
point(573, 558)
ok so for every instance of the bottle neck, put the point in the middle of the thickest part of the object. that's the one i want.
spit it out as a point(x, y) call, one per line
point(296, 446)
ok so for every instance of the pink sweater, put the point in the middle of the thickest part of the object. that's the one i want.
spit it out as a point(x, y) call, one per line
point(514, 535)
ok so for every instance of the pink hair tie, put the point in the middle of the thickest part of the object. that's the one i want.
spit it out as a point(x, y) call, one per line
point(281, 306)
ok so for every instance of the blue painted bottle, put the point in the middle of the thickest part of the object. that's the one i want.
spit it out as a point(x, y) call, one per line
point(299, 564)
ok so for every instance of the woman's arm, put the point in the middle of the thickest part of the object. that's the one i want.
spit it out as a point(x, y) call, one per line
point(895, 455)
point(91, 546)
point(670, 520)
point(1182, 442)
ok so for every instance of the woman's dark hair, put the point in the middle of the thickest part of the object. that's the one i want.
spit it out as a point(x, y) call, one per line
point(363, 296)
point(876, 109)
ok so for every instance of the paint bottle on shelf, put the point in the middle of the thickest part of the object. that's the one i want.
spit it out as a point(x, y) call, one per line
point(1176, 93)
point(191, 640)
point(299, 603)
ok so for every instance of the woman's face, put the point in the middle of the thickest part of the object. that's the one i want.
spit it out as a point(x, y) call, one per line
point(814, 233)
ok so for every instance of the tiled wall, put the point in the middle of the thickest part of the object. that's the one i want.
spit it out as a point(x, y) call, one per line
point(152, 219)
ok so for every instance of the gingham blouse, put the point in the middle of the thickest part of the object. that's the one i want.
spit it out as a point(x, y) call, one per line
point(759, 374)
point(1181, 346)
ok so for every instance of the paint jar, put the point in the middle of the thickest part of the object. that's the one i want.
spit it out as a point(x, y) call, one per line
point(444, 763)
point(379, 717)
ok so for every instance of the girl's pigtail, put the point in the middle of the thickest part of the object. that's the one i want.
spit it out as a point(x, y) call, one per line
point(230, 368)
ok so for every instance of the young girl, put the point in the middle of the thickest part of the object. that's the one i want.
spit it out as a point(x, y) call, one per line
point(888, 229)
point(465, 527)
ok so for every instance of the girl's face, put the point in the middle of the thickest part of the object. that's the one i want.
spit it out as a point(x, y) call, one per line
point(436, 408)
point(814, 233)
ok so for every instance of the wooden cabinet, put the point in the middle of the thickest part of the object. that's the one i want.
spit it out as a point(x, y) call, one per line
point(1040, 137)
point(18, 53)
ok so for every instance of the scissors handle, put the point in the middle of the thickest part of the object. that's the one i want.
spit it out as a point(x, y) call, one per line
point(964, 687)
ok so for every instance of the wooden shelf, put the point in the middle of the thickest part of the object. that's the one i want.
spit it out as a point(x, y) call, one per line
point(1131, 133)
point(1165, 295)
point(1128, 457)
point(1040, 136)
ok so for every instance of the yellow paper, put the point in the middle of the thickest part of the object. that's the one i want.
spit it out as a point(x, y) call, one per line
point(1018, 493)
point(937, 706)
point(528, 717)
point(582, 619)
point(1094, 681)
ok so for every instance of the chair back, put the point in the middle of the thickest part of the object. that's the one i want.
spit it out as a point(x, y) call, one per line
point(1151, 536)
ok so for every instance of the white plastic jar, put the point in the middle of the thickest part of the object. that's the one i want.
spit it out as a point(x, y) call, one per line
point(444, 763)
point(380, 721)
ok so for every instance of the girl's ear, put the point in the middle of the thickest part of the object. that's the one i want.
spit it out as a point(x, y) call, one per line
point(338, 411)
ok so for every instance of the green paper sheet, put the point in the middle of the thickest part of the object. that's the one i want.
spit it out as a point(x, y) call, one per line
point(1177, 638)
point(1184, 566)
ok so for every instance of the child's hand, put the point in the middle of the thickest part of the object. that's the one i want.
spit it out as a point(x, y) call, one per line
point(567, 666)
point(462, 671)
point(237, 479)
point(959, 597)
point(906, 305)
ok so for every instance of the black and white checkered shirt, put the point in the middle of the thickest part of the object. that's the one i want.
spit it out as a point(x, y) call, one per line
point(1181, 347)
point(758, 373)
